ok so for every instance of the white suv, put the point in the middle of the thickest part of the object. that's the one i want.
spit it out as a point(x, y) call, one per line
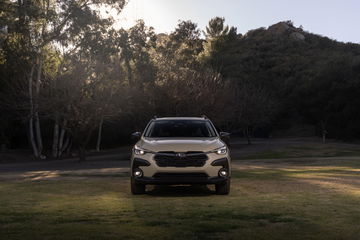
point(180, 150)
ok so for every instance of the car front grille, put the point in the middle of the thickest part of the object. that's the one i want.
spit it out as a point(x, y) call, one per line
point(184, 159)
point(187, 176)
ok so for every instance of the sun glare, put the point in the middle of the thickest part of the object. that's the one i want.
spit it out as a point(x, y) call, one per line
point(132, 12)
point(153, 13)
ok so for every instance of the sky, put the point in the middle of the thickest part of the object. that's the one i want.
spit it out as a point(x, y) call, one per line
point(336, 19)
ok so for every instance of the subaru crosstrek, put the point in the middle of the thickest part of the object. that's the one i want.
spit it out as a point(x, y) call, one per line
point(180, 150)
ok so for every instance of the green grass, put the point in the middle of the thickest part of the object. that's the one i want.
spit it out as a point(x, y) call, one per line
point(300, 202)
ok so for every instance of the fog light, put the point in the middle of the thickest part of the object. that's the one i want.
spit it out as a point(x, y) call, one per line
point(138, 172)
point(223, 172)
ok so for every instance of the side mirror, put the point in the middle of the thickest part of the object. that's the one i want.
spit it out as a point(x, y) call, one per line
point(225, 136)
point(136, 135)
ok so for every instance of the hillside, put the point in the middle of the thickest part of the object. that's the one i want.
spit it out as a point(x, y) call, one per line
point(316, 80)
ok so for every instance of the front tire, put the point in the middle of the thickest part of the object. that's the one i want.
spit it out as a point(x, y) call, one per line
point(137, 188)
point(223, 188)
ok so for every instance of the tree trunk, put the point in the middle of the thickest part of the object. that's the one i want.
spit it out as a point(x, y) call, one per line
point(81, 140)
point(36, 107)
point(62, 146)
point(82, 156)
point(31, 118)
point(55, 146)
point(323, 130)
point(32, 138)
point(98, 143)
point(129, 72)
point(38, 133)
point(66, 146)
point(57, 142)
point(247, 135)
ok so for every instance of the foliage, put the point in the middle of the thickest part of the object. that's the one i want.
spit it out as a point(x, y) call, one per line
point(83, 72)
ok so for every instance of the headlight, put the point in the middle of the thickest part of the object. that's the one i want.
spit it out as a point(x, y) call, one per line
point(221, 151)
point(139, 151)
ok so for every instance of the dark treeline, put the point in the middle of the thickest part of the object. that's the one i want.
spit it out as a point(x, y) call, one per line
point(70, 80)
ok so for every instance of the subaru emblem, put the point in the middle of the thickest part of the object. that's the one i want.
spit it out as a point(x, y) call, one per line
point(180, 155)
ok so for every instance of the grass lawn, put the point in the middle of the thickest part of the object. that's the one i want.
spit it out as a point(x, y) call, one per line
point(267, 201)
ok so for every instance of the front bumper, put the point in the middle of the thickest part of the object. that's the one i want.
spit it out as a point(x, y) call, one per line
point(208, 173)
point(179, 180)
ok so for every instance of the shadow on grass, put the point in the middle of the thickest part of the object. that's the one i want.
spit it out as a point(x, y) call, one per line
point(179, 191)
point(48, 175)
point(95, 175)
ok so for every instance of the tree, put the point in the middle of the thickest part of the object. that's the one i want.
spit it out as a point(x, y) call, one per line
point(40, 24)
point(63, 63)
point(253, 107)
point(216, 28)
point(219, 39)
point(85, 95)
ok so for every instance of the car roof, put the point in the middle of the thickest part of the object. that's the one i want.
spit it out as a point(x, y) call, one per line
point(180, 118)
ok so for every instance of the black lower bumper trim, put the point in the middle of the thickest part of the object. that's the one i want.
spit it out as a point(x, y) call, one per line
point(175, 181)
point(140, 162)
point(224, 162)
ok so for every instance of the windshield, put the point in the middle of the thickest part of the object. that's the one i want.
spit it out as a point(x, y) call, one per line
point(180, 128)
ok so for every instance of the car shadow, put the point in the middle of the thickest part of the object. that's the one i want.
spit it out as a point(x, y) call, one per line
point(179, 191)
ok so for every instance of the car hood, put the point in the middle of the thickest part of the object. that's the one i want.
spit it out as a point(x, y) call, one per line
point(180, 144)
